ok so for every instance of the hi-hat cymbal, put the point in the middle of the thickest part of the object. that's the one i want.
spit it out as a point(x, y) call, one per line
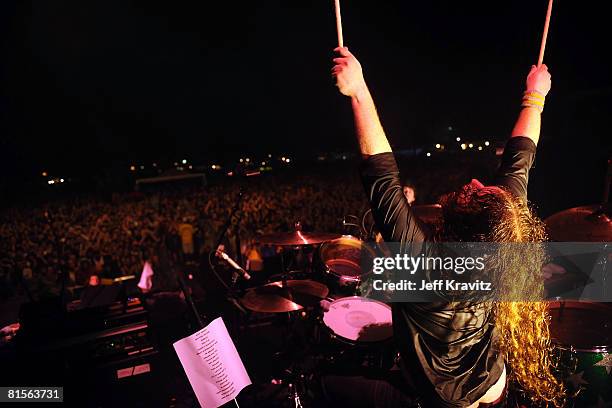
point(296, 238)
point(274, 298)
point(589, 223)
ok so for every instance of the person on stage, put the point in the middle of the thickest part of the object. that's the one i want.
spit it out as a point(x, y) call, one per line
point(460, 354)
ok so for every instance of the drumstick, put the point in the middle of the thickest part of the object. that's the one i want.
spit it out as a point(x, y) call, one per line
point(545, 34)
point(339, 23)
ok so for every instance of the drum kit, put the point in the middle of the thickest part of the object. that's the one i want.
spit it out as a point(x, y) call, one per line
point(317, 297)
point(349, 326)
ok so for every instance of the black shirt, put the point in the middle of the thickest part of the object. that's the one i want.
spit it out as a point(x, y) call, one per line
point(449, 349)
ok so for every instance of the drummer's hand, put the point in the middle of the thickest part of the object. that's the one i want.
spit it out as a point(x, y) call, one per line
point(538, 79)
point(551, 269)
point(347, 73)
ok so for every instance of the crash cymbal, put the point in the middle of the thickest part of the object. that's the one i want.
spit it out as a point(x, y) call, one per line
point(296, 238)
point(589, 223)
point(274, 298)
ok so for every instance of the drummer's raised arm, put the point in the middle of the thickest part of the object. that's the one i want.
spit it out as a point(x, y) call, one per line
point(349, 80)
point(537, 87)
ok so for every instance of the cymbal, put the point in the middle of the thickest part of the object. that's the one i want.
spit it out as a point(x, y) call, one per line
point(296, 238)
point(274, 298)
point(588, 223)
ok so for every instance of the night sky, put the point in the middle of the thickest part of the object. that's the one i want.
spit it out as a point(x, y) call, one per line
point(88, 83)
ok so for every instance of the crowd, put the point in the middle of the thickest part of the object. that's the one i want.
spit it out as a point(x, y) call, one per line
point(79, 238)
point(75, 239)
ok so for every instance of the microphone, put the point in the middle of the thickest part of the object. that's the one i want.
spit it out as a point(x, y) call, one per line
point(233, 264)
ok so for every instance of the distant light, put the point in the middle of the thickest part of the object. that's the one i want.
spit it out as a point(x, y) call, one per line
point(343, 157)
point(44, 174)
point(141, 167)
point(50, 181)
point(438, 145)
point(269, 156)
point(487, 143)
point(248, 160)
point(458, 139)
point(287, 160)
point(184, 161)
point(154, 164)
point(479, 147)
point(190, 167)
point(428, 154)
point(283, 158)
point(241, 160)
point(133, 168)
point(263, 163)
point(175, 164)
point(450, 128)
point(471, 145)
point(463, 146)
point(61, 180)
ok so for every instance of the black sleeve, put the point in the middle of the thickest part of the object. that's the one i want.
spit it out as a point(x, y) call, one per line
point(513, 173)
point(392, 213)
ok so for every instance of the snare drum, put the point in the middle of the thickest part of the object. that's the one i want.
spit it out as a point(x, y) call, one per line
point(358, 332)
point(582, 335)
point(341, 260)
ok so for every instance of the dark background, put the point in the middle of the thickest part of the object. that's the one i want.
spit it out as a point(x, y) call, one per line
point(86, 84)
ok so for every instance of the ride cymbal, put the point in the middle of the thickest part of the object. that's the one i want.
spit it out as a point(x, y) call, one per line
point(589, 223)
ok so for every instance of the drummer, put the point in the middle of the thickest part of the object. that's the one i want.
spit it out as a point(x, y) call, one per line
point(459, 354)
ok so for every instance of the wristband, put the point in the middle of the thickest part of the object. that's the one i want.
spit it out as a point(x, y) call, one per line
point(533, 99)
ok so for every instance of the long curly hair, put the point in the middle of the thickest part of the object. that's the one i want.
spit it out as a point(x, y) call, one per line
point(492, 214)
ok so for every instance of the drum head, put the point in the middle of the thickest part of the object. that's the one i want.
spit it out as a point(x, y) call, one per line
point(586, 326)
point(359, 319)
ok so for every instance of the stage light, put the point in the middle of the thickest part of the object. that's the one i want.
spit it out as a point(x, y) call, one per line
point(428, 154)
point(50, 181)
point(463, 146)
point(458, 139)
point(190, 167)
point(241, 160)
point(61, 180)
point(471, 145)
point(141, 167)
point(133, 168)
point(438, 145)
point(248, 160)
point(343, 157)
point(487, 143)
point(450, 128)
point(44, 174)
point(287, 160)
point(479, 147)
point(269, 156)
point(184, 161)
point(154, 164)
point(263, 163)
point(175, 164)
